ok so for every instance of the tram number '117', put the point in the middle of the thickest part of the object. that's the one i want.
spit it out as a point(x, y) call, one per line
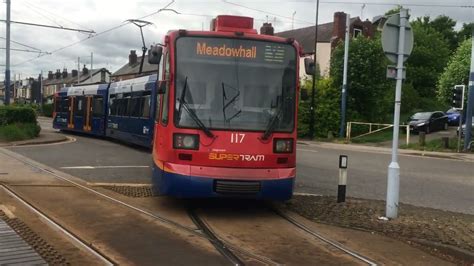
point(237, 137)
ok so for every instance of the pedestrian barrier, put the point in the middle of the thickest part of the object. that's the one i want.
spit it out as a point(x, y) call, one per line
point(378, 127)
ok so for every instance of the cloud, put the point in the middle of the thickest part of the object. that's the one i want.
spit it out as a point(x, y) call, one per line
point(111, 49)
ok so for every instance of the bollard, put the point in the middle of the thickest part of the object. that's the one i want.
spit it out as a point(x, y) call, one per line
point(341, 188)
point(445, 141)
point(422, 138)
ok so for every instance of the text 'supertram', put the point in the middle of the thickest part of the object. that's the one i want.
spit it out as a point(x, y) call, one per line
point(226, 112)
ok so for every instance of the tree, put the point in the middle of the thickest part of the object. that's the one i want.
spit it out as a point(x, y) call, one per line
point(456, 72)
point(443, 25)
point(367, 83)
point(428, 59)
point(465, 32)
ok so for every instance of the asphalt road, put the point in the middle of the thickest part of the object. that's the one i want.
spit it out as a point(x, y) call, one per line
point(431, 182)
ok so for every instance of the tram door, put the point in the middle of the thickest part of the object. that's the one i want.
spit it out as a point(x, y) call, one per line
point(87, 113)
point(79, 112)
point(70, 113)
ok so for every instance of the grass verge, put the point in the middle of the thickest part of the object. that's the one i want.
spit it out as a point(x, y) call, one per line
point(19, 131)
point(434, 145)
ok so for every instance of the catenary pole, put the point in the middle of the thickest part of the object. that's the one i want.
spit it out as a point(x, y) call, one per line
point(313, 88)
point(342, 126)
point(393, 179)
point(7, 56)
point(470, 99)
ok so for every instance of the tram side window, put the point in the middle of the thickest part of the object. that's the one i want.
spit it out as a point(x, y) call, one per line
point(135, 104)
point(164, 114)
point(98, 106)
point(79, 106)
point(146, 104)
point(63, 104)
point(112, 105)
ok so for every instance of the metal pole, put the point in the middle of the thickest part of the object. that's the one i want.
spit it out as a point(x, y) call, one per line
point(90, 72)
point(313, 89)
point(470, 99)
point(7, 56)
point(78, 70)
point(41, 90)
point(393, 179)
point(344, 78)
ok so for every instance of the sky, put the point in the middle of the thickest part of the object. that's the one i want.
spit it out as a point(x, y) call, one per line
point(115, 38)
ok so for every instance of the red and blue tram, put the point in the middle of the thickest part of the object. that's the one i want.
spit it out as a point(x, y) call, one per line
point(123, 110)
point(226, 119)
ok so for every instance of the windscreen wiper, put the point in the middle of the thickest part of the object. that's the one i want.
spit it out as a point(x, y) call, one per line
point(192, 114)
point(226, 105)
point(272, 124)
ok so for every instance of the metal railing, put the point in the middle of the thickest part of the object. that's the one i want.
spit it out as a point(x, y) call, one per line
point(379, 127)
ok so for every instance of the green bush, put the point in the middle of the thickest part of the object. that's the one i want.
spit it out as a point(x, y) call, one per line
point(19, 131)
point(14, 114)
point(48, 109)
point(326, 116)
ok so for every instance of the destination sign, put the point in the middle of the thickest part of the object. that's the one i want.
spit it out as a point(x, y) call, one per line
point(225, 49)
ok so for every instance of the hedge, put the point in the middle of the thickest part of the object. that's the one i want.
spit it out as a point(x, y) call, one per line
point(19, 131)
point(47, 109)
point(14, 114)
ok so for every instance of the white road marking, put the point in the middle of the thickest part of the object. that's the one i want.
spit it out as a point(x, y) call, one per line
point(307, 194)
point(307, 150)
point(104, 166)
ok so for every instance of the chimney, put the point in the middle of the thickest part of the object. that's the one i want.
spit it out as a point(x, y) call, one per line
point(74, 72)
point(50, 75)
point(64, 73)
point(58, 74)
point(132, 57)
point(85, 71)
point(339, 26)
point(267, 29)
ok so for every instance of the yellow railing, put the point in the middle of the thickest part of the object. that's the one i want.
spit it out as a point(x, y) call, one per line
point(371, 125)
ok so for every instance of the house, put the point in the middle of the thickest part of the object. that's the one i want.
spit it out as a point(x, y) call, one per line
point(132, 68)
point(329, 35)
point(55, 81)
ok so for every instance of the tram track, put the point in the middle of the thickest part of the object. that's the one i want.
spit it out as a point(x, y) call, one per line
point(56, 226)
point(324, 239)
point(236, 255)
point(224, 248)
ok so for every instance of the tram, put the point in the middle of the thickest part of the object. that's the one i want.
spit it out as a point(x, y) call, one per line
point(226, 117)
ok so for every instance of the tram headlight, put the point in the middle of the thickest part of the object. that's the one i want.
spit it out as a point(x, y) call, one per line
point(186, 141)
point(283, 145)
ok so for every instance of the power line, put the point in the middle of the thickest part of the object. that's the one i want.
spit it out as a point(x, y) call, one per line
point(24, 45)
point(59, 16)
point(44, 16)
point(95, 35)
point(24, 50)
point(266, 12)
point(47, 26)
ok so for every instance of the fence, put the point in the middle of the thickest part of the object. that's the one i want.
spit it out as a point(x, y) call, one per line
point(370, 127)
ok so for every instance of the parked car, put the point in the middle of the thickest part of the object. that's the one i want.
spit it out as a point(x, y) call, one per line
point(463, 133)
point(453, 116)
point(428, 122)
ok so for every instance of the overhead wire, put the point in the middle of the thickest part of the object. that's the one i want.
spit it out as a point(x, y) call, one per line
point(57, 15)
point(93, 36)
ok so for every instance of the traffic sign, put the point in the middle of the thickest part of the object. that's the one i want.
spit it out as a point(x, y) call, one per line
point(390, 35)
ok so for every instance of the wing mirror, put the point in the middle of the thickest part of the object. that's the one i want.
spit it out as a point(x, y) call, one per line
point(154, 55)
point(309, 66)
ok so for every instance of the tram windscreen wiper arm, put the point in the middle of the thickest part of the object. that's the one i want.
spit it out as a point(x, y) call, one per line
point(272, 124)
point(192, 114)
point(196, 119)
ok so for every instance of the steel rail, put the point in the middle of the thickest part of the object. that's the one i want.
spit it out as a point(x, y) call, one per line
point(77, 241)
point(325, 239)
point(145, 212)
point(216, 242)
